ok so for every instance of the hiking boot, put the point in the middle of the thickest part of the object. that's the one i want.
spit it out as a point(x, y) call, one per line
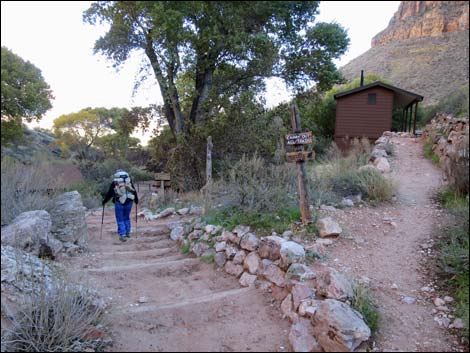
point(123, 238)
point(128, 235)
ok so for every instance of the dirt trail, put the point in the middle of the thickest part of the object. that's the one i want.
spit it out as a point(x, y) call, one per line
point(391, 255)
point(186, 304)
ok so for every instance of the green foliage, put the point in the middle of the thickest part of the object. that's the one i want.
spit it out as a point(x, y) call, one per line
point(208, 259)
point(456, 104)
point(454, 248)
point(363, 303)
point(264, 223)
point(374, 186)
point(185, 248)
point(429, 153)
point(11, 132)
point(25, 94)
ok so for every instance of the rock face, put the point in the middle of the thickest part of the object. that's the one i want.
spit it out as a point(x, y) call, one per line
point(28, 231)
point(416, 19)
point(68, 219)
point(424, 49)
point(338, 327)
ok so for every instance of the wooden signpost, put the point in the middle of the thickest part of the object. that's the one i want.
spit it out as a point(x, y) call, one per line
point(299, 156)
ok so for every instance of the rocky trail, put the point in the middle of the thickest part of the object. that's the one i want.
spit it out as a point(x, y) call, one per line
point(163, 300)
point(387, 247)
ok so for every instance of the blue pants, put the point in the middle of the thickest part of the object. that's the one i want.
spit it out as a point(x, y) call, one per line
point(122, 217)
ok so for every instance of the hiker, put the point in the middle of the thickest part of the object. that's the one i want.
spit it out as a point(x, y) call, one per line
point(123, 194)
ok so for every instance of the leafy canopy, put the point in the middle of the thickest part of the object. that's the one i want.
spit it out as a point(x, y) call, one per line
point(201, 51)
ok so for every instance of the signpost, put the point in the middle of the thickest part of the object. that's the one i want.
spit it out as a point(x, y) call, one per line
point(299, 156)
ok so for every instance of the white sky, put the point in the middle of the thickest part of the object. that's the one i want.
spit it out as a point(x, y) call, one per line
point(52, 36)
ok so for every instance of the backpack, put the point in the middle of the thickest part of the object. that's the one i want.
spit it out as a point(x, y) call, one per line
point(123, 187)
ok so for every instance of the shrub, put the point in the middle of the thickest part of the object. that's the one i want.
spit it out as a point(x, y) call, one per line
point(362, 302)
point(27, 187)
point(374, 186)
point(59, 318)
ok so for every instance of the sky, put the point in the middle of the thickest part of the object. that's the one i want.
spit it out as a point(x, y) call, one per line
point(54, 38)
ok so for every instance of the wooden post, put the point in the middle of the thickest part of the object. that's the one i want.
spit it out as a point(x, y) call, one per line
point(301, 173)
point(414, 122)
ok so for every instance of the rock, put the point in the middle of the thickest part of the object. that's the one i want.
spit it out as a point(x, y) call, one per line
point(327, 208)
point(439, 302)
point(230, 251)
point(300, 272)
point(176, 233)
point(458, 324)
point(287, 234)
point(195, 234)
point(166, 212)
point(199, 226)
point(239, 257)
point(394, 286)
point(220, 246)
point(209, 228)
point(24, 272)
point(28, 231)
point(71, 249)
point(143, 300)
point(328, 227)
point(247, 280)
point(278, 293)
point(291, 253)
point(198, 249)
point(427, 289)
point(339, 328)
point(409, 300)
point(271, 272)
point(226, 236)
point(220, 259)
point(308, 307)
point(209, 252)
point(442, 308)
point(183, 211)
point(378, 153)
point(382, 165)
point(333, 285)
point(442, 321)
point(301, 292)
point(347, 203)
point(448, 299)
point(252, 262)
point(323, 241)
point(233, 269)
point(270, 247)
point(240, 231)
point(287, 308)
point(68, 219)
point(249, 242)
point(195, 210)
point(301, 337)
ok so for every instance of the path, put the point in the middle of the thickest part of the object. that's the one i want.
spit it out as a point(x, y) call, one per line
point(391, 257)
point(187, 304)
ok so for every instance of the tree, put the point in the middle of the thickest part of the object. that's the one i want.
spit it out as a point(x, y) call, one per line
point(200, 50)
point(24, 94)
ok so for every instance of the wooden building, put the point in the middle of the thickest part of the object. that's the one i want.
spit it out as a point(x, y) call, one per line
point(366, 111)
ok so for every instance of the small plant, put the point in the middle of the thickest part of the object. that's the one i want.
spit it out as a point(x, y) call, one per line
point(374, 186)
point(185, 248)
point(362, 302)
point(208, 259)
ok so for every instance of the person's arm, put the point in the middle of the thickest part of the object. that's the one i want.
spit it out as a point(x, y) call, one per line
point(109, 194)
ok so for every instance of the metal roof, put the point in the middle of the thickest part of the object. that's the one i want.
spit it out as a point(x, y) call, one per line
point(402, 97)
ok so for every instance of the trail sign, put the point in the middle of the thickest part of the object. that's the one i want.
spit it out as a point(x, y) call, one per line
point(302, 138)
point(300, 156)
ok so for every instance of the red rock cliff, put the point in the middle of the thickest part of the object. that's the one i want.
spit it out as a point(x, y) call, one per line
point(416, 19)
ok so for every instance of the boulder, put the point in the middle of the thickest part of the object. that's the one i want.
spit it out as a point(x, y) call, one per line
point(233, 269)
point(271, 272)
point(220, 259)
point(291, 253)
point(199, 249)
point(301, 337)
point(382, 165)
point(339, 328)
point(68, 219)
point(177, 233)
point(230, 251)
point(195, 234)
point(249, 242)
point(28, 231)
point(270, 247)
point(287, 308)
point(166, 212)
point(220, 246)
point(301, 292)
point(329, 283)
point(328, 227)
point(278, 293)
point(183, 211)
point(252, 262)
point(247, 280)
point(300, 272)
point(239, 257)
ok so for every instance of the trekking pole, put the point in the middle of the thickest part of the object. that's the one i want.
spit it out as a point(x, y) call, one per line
point(102, 219)
point(136, 220)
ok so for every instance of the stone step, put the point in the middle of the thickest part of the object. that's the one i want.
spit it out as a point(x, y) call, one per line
point(163, 263)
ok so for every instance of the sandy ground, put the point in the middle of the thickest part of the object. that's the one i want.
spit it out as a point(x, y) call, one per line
point(391, 256)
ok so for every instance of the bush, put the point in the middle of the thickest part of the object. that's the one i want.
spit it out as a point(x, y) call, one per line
point(374, 186)
point(27, 187)
point(362, 302)
point(60, 318)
